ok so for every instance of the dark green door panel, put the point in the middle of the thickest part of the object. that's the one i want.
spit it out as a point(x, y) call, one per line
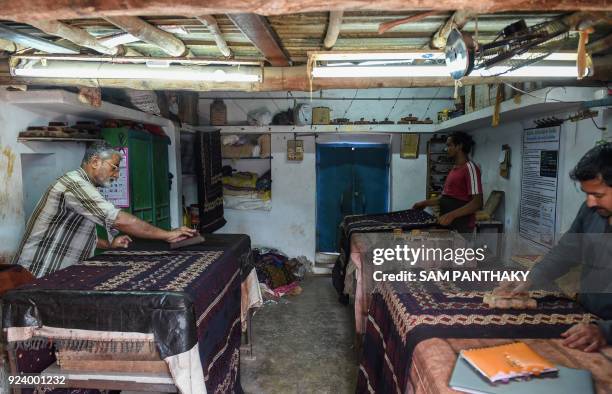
point(161, 183)
point(148, 166)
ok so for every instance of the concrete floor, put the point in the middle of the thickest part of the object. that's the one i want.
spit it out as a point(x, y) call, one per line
point(303, 344)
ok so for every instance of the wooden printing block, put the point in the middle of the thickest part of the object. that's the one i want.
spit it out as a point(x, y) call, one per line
point(508, 302)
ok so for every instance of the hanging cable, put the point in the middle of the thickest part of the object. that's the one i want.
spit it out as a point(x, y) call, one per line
point(395, 102)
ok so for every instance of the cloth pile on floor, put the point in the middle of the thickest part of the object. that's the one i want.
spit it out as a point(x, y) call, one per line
point(247, 190)
point(279, 275)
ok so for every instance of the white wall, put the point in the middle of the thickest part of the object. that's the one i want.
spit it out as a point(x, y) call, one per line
point(63, 156)
point(576, 139)
point(290, 225)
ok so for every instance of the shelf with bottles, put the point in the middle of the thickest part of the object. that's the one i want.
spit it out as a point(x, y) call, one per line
point(438, 165)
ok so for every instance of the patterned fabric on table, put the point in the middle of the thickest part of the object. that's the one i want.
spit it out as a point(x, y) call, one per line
point(185, 298)
point(402, 315)
point(434, 359)
point(374, 223)
point(209, 177)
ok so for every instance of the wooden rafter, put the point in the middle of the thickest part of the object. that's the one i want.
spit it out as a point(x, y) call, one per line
point(74, 34)
point(333, 29)
point(73, 9)
point(257, 29)
point(213, 28)
point(150, 34)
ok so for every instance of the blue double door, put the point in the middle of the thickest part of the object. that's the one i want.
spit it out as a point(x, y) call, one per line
point(352, 179)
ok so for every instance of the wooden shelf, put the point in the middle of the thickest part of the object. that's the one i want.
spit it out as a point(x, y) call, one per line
point(57, 139)
point(247, 158)
point(540, 102)
point(67, 103)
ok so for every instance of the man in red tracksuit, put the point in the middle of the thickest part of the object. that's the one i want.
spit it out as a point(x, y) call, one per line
point(462, 194)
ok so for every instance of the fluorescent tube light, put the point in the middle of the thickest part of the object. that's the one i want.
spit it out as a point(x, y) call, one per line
point(106, 70)
point(332, 56)
point(380, 72)
point(560, 71)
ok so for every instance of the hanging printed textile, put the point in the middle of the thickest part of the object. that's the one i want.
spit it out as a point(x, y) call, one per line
point(209, 177)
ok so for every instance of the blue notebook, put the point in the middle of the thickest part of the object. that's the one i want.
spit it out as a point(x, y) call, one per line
point(566, 381)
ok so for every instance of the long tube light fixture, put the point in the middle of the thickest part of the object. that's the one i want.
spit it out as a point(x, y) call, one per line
point(429, 64)
point(200, 70)
point(434, 71)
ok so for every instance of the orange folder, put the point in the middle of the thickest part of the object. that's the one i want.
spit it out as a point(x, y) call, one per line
point(507, 361)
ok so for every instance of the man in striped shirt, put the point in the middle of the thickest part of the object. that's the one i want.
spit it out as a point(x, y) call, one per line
point(62, 228)
point(462, 194)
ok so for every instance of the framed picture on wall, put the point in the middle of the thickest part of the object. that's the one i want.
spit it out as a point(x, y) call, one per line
point(409, 146)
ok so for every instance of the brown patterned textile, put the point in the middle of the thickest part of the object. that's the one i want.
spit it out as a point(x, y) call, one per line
point(434, 359)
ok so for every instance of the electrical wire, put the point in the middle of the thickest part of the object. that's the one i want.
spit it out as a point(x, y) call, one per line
point(273, 102)
point(597, 127)
point(545, 98)
point(431, 101)
point(395, 102)
point(350, 104)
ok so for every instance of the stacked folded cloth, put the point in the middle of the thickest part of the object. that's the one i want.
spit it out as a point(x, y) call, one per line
point(247, 190)
point(279, 275)
point(243, 146)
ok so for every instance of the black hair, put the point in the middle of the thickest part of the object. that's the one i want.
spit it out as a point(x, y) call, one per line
point(595, 163)
point(465, 140)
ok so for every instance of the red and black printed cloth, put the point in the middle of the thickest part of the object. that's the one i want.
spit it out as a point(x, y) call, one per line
point(402, 315)
point(408, 219)
point(183, 297)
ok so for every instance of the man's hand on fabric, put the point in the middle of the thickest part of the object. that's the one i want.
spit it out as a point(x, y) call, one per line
point(585, 337)
point(446, 220)
point(512, 289)
point(420, 205)
point(122, 241)
point(180, 234)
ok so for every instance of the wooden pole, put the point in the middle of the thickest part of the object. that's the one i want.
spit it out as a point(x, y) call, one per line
point(333, 29)
point(213, 28)
point(150, 34)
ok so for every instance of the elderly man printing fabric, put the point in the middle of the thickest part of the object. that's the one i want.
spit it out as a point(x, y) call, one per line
point(62, 228)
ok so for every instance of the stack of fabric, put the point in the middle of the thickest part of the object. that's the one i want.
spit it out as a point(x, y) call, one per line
point(247, 190)
point(278, 275)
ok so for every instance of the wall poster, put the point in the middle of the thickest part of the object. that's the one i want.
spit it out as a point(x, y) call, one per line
point(539, 184)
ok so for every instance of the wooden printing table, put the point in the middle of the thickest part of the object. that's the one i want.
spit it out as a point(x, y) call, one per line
point(218, 267)
point(114, 381)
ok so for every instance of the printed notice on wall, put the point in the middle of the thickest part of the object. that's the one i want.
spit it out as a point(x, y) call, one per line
point(537, 220)
point(119, 191)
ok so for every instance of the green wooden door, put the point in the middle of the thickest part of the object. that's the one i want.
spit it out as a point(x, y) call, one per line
point(142, 200)
point(161, 182)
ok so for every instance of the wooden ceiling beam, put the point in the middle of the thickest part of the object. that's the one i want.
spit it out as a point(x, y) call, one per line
point(458, 20)
point(603, 45)
point(150, 34)
point(30, 41)
point(76, 35)
point(257, 29)
point(213, 28)
point(75, 9)
point(333, 29)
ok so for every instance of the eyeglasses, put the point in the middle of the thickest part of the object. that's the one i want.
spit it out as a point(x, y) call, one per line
point(113, 166)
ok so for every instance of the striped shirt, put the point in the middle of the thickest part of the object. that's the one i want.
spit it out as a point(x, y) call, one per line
point(62, 228)
point(463, 182)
